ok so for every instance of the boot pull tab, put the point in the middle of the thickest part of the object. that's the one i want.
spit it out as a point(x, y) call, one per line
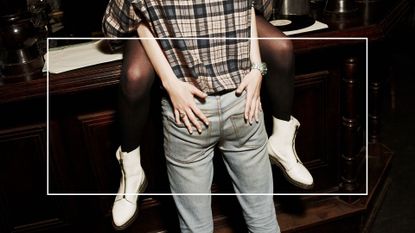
point(293, 144)
point(123, 175)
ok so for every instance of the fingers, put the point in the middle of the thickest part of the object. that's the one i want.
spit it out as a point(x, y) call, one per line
point(249, 98)
point(197, 92)
point(186, 122)
point(252, 85)
point(177, 116)
point(200, 115)
point(252, 110)
point(185, 109)
point(193, 121)
point(241, 87)
point(252, 107)
point(258, 109)
point(189, 117)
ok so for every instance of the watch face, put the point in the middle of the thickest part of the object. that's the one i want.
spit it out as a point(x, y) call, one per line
point(263, 68)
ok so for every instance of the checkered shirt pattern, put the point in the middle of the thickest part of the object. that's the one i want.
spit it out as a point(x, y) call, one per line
point(213, 65)
point(264, 7)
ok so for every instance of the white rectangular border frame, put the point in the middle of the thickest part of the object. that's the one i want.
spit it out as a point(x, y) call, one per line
point(212, 194)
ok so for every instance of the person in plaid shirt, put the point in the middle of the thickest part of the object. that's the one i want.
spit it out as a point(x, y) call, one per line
point(207, 69)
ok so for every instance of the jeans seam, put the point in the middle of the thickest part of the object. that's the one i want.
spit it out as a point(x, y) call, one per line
point(218, 102)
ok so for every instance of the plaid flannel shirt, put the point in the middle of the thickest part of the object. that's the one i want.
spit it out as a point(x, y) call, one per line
point(212, 65)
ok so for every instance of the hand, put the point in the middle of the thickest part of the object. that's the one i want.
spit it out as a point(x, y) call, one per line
point(185, 110)
point(252, 84)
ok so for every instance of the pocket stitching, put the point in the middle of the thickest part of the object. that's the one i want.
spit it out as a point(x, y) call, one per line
point(234, 118)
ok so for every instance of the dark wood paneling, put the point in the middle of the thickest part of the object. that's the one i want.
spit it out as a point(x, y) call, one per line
point(23, 181)
point(97, 131)
point(319, 128)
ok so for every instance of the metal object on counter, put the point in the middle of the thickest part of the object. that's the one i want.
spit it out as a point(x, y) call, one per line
point(22, 59)
point(340, 6)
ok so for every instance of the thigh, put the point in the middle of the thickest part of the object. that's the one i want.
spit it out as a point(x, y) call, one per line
point(266, 29)
point(244, 150)
point(190, 171)
point(272, 49)
point(188, 156)
point(246, 158)
point(247, 162)
point(137, 73)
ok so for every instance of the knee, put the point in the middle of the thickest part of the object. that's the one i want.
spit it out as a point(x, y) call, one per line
point(278, 51)
point(136, 82)
point(282, 47)
point(286, 46)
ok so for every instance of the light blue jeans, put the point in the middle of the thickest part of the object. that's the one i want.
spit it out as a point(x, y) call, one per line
point(190, 166)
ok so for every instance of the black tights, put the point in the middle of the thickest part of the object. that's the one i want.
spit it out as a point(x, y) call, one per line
point(134, 95)
point(279, 56)
point(138, 75)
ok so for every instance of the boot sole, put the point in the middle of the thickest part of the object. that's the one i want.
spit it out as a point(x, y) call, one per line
point(132, 219)
point(291, 180)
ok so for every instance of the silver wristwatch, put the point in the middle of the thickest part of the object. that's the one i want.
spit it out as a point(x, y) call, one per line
point(262, 67)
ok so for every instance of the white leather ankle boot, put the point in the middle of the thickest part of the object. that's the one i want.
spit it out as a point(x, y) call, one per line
point(133, 181)
point(281, 148)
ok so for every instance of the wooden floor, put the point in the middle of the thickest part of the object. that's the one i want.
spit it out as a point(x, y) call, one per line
point(302, 214)
point(397, 211)
point(332, 213)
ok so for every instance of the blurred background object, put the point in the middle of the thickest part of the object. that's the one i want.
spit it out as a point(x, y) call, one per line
point(22, 58)
point(340, 6)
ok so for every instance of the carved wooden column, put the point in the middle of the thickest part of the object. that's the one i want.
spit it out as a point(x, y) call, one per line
point(375, 91)
point(351, 140)
point(374, 109)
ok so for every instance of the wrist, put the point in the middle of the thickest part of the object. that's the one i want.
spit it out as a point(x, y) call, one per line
point(256, 72)
point(169, 83)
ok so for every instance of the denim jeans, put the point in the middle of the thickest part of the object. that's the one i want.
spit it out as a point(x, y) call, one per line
point(243, 147)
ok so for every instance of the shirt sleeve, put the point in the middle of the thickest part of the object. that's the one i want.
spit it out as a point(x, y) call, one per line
point(263, 7)
point(120, 19)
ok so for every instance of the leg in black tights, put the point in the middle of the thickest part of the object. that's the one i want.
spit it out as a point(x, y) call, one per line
point(137, 77)
point(278, 54)
point(134, 95)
